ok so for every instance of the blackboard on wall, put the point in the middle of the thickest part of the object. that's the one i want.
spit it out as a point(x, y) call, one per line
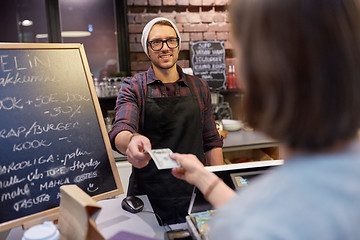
point(52, 131)
point(208, 62)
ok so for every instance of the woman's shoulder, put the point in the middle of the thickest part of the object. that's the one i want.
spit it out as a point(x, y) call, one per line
point(297, 188)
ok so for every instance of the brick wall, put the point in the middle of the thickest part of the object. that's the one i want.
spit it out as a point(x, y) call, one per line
point(196, 20)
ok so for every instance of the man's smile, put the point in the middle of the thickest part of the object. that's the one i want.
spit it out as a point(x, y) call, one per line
point(165, 56)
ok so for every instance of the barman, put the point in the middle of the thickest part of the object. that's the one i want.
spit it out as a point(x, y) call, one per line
point(164, 108)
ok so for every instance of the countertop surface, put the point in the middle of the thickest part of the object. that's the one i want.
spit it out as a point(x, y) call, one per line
point(247, 139)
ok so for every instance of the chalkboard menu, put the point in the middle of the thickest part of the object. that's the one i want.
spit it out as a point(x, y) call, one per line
point(50, 132)
point(208, 62)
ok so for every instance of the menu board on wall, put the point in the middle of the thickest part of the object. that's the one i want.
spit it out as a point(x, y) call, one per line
point(208, 62)
point(52, 131)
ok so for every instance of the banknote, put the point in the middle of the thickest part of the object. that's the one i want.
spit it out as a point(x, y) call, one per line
point(162, 159)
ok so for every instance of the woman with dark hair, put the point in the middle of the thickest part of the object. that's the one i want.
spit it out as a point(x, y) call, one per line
point(300, 63)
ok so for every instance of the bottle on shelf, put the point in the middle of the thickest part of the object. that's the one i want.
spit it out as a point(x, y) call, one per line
point(231, 78)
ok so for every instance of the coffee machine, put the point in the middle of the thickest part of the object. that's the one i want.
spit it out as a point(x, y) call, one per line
point(222, 110)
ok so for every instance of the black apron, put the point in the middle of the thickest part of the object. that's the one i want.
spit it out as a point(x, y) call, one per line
point(175, 123)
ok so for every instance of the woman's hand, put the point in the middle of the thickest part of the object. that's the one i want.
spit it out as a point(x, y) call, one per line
point(192, 171)
point(190, 167)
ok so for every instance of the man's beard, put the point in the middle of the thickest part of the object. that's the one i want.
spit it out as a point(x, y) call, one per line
point(161, 66)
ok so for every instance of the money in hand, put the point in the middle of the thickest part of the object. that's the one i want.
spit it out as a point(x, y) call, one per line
point(162, 159)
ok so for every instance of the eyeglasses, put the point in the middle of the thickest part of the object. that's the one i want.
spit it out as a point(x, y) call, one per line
point(157, 45)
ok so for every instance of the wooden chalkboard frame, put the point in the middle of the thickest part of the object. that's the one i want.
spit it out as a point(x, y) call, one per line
point(53, 212)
